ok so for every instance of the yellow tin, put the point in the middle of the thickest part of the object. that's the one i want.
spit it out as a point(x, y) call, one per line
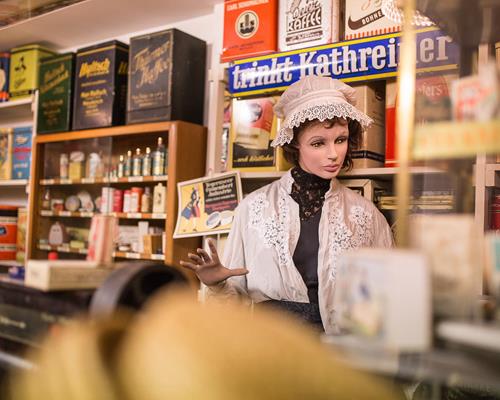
point(24, 64)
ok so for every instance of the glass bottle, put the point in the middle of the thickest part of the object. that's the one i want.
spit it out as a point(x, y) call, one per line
point(159, 158)
point(146, 201)
point(137, 163)
point(46, 200)
point(121, 167)
point(146, 163)
point(127, 169)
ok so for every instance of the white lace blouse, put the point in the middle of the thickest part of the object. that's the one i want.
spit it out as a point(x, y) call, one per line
point(265, 233)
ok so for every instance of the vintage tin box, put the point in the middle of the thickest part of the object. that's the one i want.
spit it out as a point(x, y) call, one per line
point(250, 28)
point(55, 96)
point(24, 64)
point(304, 23)
point(166, 77)
point(21, 152)
point(100, 85)
point(4, 76)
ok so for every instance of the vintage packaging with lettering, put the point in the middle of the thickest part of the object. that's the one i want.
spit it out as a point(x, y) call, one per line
point(21, 152)
point(100, 85)
point(305, 23)
point(365, 18)
point(164, 67)
point(56, 79)
point(5, 153)
point(4, 76)
point(24, 64)
point(253, 128)
point(250, 28)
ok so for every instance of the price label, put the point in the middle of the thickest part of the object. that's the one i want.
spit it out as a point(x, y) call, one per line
point(64, 213)
point(86, 214)
point(157, 257)
point(44, 247)
point(46, 213)
point(158, 216)
point(88, 180)
point(134, 215)
point(160, 178)
point(65, 181)
point(47, 181)
point(133, 255)
point(136, 179)
point(83, 251)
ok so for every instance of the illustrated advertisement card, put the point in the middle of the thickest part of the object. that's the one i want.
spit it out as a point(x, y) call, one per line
point(207, 205)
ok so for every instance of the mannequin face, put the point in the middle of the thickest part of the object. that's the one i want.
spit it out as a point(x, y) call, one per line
point(322, 149)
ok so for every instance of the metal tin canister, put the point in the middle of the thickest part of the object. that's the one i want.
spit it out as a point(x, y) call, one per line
point(8, 232)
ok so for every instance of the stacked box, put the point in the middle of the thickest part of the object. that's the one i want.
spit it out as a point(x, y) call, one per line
point(303, 23)
point(100, 85)
point(250, 28)
point(55, 96)
point(24, 64)
point(21, 152)
point(4, 76)
point(166, 77)
point(370, 99)
point(253, 128)
point(5, 153)
point(364, 18)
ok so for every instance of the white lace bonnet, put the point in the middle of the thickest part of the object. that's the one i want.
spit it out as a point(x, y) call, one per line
point(315, 97)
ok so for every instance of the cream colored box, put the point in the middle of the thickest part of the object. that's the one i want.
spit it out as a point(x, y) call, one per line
point(65, 274)
point(304, 23)
point(5, 153)
point(365, 18)
point(370, 98)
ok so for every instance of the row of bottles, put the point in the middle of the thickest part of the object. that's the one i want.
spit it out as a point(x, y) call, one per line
point(154, 163)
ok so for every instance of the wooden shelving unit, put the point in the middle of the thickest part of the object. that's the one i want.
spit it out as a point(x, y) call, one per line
point(186, 149)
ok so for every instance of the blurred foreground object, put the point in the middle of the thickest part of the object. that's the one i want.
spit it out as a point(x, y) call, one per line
point(180, 349)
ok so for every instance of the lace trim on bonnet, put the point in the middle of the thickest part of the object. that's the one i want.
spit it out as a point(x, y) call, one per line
point(321, 112)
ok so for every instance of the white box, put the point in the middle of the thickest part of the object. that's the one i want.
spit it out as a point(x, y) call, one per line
point(383, 297)
point(366, 187)
point(304, 23)
point(365, 18)
point(64, 274)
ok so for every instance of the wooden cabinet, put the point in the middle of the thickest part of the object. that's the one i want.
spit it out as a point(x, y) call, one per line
point(185, 147)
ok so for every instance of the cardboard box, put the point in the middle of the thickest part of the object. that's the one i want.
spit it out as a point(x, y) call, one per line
point(22, 221)
point(5, 153)
point(166, 77)
point(250, 28)
point(21, 152)
point(253, 128)
point(55, 101)
point(65, 274)
point(24, 64)
point(100, 85)
point(370, 98)
point(364, 18)
point(304, 24)
point(4, 76)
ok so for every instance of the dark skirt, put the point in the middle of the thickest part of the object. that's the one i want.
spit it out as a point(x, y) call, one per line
point(307, 312)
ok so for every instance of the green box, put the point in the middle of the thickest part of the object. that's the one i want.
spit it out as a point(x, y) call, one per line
point(24, 64)
point(56, 79)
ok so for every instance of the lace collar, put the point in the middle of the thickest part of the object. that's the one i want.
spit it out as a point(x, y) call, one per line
point(309, 192)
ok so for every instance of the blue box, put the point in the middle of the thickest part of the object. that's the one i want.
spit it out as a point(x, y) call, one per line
point(21, 152)
point(4, 76)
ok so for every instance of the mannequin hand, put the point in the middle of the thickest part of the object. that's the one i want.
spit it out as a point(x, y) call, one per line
point(208, 268)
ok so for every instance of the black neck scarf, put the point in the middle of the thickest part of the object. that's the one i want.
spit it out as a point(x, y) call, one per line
point(308, 191)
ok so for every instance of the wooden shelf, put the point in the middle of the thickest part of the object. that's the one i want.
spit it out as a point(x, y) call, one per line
point(89, 214)
point(13, 182)
point(96, 181)
point(358, 173)
point(138, 256)
point(62, 249)
point(122, 130)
